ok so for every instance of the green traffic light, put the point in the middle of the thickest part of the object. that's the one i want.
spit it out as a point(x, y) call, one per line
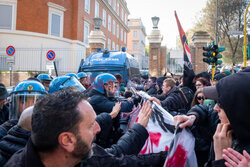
point(221, 49)
point(219, 56)
point(218, 62)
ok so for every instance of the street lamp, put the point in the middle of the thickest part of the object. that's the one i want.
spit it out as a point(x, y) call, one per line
point(155, 21)
point(97, 22)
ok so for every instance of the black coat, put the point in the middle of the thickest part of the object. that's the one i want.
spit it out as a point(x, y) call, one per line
point(101, 103)
point(130, 143)
point(15, 140)
point(173, 101)
point(28, 157)
point(152, 90)
point(4, 114)
point(6, 126)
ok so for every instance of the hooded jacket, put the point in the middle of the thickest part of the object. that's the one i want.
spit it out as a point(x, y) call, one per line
point(233, 95)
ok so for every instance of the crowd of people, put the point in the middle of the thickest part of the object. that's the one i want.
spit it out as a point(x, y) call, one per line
point(69, 121)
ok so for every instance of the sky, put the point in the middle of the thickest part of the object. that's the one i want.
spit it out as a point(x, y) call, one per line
point(187, 11)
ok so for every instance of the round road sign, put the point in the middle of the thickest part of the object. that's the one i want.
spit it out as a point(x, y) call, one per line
point(10, 50)
point(51, 55)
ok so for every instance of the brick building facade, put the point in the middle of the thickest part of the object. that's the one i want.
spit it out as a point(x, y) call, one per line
point(63, 26)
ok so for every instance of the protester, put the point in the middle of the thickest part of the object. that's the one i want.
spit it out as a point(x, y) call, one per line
point(17, 136)
point(198, 98)
point(62, 136)
point(171, 98)
point(150, 86)
point(218, 77)
point(201, 82)
point(159, 83)
point(232, 95)
point(235, 159)
point(4, 110)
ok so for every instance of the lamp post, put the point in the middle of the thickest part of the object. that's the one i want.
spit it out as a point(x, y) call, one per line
point(155, 21)
point(97, 22)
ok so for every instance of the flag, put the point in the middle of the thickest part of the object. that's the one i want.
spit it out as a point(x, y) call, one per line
point(188, 73)
point(164, 137)
point(187, 53)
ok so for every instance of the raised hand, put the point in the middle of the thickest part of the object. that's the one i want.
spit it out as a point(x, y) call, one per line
point(222, 139)
point(187, 121)
point(145, 113)
point(235, 159)
point(115, 110)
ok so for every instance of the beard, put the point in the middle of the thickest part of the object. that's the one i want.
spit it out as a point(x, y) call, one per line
point(82, 150)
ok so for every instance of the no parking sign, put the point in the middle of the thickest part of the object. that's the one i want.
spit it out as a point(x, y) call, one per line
point(51, 55)
point(10, 50)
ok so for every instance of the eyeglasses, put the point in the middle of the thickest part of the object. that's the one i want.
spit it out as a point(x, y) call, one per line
point(198, 85)
point(200, 98)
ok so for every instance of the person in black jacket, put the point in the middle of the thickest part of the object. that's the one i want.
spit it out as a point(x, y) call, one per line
point(231, 126)
point(4, 110)
point(17, 136)
point(151, 86)
point(172, 98)
point(63, 129)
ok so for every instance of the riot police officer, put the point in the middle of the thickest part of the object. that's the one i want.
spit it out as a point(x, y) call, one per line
point(45, 79)
point(101, 97)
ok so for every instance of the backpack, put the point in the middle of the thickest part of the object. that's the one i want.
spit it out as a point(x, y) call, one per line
point(188, 95)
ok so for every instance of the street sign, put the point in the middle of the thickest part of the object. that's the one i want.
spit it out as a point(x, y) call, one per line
point(233, 32)
point(51, 55)
point(10, 50)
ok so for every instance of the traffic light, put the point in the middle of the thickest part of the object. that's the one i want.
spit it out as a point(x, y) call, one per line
point(208, 54)
point(218, 56)
point(212, 55)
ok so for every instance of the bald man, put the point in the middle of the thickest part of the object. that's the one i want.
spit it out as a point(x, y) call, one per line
point(17, 136)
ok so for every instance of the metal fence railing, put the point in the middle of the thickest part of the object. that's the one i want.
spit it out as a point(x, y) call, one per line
point(34, 59)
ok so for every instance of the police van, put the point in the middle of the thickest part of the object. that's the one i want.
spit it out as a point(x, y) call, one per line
point(112, 62)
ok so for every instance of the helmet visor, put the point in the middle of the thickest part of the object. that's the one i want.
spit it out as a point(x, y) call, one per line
point(21, 101)
point(73, 82)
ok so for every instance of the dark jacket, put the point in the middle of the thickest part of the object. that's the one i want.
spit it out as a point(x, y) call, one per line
point(130, 143)
point(6, 126)
point(28, 157)
point(101, 103)
point(15, 140)
point(233, 96)
point(152, 90)
point(173, 101)
point(4, 114)
point(101, 158)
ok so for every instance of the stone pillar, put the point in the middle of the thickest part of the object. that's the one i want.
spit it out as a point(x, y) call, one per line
point(155, 54)
point(199, 39)
point(96, 40)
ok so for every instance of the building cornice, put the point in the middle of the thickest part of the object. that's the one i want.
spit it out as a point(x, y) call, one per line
point(56, 6)
point(35, 34)
point(111, 10)
point(123, 3)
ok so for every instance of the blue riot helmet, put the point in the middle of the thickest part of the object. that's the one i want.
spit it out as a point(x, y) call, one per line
point(43, 76)
point(24, 95)
point(45, 79)
point(63, 82)
point(102, 79)
point(72, 75)
point(82, 75)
